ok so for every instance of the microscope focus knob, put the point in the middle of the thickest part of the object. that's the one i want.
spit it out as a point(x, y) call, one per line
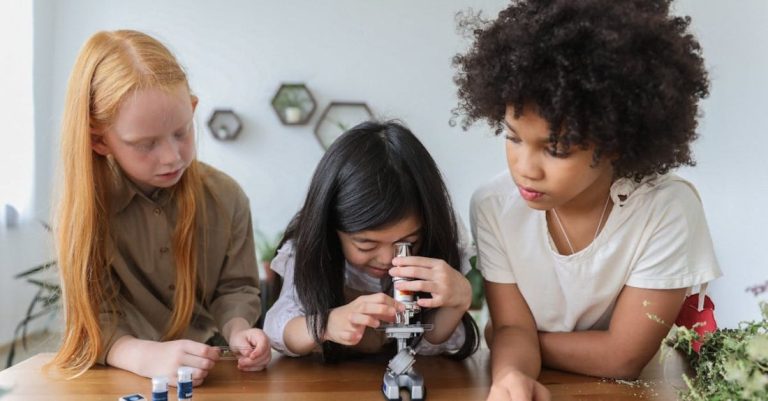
point(401, 362)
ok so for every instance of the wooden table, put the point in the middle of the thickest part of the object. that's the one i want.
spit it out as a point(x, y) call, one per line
point(288, 379)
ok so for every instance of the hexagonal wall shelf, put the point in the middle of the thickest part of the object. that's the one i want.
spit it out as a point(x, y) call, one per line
point(339, 117)
point(294, 104)
point(224, 124)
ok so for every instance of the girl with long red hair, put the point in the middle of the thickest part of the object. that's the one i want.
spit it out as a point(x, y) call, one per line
point(155, 248)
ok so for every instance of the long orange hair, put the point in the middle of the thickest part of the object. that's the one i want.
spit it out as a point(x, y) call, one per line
point(110, 66)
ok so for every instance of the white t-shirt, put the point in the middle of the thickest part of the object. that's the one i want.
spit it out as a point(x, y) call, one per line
point(656, 237)
point(288, 305)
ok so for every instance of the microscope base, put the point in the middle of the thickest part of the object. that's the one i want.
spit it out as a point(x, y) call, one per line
point(411, 380)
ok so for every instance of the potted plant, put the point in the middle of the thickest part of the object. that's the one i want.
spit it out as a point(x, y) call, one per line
point(45, 303)
point(476, 281)
point(266, 249)
point(291, 104)
point(731, 364)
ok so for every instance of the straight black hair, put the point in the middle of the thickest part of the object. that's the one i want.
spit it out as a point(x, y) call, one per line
point(372, 176)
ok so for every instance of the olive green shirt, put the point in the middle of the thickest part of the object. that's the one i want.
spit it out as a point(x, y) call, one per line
point(143, 267)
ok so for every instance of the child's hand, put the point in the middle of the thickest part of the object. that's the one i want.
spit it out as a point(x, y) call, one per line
point(258, 358)
point(346, 324)
point(165, 358)
point(516, 386)
point(449, 288)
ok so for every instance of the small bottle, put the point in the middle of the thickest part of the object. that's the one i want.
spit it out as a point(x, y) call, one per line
point(184, 383)
point(402, 249)
point(160, 388)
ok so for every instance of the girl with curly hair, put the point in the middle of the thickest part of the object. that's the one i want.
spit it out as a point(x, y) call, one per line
point(588, 232)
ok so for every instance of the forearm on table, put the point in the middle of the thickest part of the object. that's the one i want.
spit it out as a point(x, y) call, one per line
point(445, 321)
point(594, 353)
point(127, 353)
point(297, 337)
point(514, 348)
point(234, 325)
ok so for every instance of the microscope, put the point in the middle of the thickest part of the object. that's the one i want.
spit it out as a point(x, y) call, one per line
point(400, 372)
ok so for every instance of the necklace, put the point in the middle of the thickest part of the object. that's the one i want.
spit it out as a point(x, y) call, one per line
point(597, 230)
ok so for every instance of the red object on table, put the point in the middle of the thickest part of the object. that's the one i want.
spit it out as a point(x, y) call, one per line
point(690, 315)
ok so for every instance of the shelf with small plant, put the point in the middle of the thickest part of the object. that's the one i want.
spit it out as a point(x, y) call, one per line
point(294, 104)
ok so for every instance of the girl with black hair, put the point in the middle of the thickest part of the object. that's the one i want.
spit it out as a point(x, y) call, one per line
point(375, 186)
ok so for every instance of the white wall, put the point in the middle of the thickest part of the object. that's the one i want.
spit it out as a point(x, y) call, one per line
point(732, 175)
point(16, 158)
point(46, 121)
point(16, 112)
point(396, 56)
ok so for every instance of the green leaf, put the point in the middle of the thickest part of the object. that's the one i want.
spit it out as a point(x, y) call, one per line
point(36, 269)
point(266, 246)
point(732, 364)
point(475, 279)
point(45, 303)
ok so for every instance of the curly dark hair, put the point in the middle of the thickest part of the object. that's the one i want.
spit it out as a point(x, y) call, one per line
point(623, 75)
